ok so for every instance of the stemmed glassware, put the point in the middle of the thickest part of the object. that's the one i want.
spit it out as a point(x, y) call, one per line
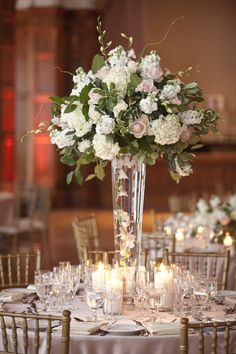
point(43, 281)
point(94, 299)
point(154, 297)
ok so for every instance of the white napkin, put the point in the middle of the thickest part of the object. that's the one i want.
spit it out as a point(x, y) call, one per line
point(10, 297)
point(162, 328)
point(82, 328)
point(31, 287)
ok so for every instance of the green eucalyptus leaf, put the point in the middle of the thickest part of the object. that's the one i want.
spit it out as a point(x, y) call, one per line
point(99, 172)
point(70, 108)
point(91, 176)
point(69, 177)
point(79, 176)
point(84, 94)
point(97, 63)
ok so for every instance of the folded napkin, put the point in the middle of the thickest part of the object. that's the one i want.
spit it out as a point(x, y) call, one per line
point(82, 328)
point(31, 287)
point(10, 297)
point(162, 328)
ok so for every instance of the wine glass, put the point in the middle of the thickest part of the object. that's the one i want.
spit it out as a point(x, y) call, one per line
point(154, 297)
point(94, 299)
point(43, 281)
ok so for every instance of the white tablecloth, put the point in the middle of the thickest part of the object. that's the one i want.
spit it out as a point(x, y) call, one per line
point(114, 344)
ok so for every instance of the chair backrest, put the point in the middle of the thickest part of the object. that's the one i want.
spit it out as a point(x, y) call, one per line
point(81, 240)
point(107, 257)
point(29, 338)
point(86, 234)
point(18, 269)
point(215, 265)
point(207, 331)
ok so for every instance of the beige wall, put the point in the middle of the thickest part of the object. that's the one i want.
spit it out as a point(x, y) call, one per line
point(205, 40)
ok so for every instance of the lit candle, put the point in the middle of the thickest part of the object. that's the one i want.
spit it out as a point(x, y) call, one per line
point(228, 241)
point(114, 290)
point(164, 279)
point(179, 235)
point(99, 277)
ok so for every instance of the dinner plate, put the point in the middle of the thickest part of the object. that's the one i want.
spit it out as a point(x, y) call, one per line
point(122, 329)
point(17, 291)
point(43, 324)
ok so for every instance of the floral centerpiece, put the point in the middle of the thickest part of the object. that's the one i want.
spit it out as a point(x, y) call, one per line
point(128, 106)
point(217, 214)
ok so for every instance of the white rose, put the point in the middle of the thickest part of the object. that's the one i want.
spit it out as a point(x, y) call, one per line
point(62, 138)
point(105, 125)
point(120, 106)
point(139, 126)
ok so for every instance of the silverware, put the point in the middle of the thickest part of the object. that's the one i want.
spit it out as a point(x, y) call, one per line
point(175, 319)
point(78, 319)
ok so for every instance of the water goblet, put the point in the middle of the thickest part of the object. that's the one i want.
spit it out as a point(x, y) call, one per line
point(94, 299)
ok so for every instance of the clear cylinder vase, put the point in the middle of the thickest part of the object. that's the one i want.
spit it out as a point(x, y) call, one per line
point(128, 186)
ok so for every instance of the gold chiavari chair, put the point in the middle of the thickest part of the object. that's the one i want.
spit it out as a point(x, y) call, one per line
point(206, 263)
point(86, 235)
point(21, 341)
point(212, 333)
point(17, 270)
point(107, 257)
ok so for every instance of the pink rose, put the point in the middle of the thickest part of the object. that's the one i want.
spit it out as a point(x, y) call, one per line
point(185, 133)
point(139, 126)
point(146, 85)
point(154, 72)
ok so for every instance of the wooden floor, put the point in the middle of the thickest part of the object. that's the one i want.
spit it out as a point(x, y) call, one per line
point(61, 239)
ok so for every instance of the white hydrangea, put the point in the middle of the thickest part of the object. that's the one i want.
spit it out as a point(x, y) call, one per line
point(202, 206)
point(104, 147)
point(81, 79)
point(93, 113)
point(62, 138)
point(191, 117)
point(76, 120)
point(150, 67)
point(105, 125)
point(117, 57)
point(120, 77)
point(148, 104)
point(166, 130)
point(232, 201)
point(183, 170)
point(120, 106)
point(84, 145)
point(170, 91)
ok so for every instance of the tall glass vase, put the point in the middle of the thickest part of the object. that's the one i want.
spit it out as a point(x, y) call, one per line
point(128, 185)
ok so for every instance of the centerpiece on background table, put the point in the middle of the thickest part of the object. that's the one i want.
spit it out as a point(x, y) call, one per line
point(130, 111)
